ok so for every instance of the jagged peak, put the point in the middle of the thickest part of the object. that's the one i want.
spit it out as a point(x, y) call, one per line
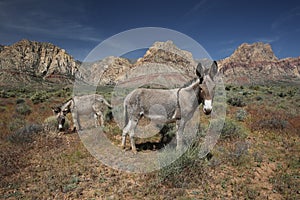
point(26, 42)
point(169, 46)
point(255, 52)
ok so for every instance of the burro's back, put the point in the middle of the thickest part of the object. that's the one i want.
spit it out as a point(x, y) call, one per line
point(152, 103)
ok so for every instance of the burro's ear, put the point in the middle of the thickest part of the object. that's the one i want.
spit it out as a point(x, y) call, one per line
point(200, 72)
point(213, 70)
point(56, 109)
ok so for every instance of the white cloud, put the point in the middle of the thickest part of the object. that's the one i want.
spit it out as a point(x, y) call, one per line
point(267, 39)
point(290, 17)
point(50, 23)
point(197, 7)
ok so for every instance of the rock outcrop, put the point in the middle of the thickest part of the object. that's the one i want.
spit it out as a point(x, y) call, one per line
point(169, 54)
point(106, 71)
point(26, 60)
point(256, 63)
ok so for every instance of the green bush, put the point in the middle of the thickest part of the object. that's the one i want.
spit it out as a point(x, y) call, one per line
point(7, 94)
point(241, 115)
point(282, 95)
point(25, 133)
point(236, 101)
point(23, 109)
point(258, 98)
point(20, 101)
point(254, 87)
point(232, 130)
point(240, 153)
point(273, 123)
point(182, 169)
point(39, 97)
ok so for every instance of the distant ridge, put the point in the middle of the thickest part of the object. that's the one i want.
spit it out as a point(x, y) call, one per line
point(27, 62)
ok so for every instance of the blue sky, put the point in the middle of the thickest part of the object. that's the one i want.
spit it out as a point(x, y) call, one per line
point(219, 26)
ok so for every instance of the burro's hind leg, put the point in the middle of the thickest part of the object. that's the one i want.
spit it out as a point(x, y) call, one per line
point(130, 129)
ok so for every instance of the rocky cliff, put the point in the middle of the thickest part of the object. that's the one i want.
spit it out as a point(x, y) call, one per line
point(26, 61)
point(256, 63)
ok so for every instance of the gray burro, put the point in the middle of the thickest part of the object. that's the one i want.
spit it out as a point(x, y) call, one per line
point(179, 104)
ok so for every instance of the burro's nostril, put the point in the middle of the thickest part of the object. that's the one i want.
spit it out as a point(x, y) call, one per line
point(207, 111)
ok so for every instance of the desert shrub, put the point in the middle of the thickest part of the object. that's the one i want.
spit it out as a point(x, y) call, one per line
point(246, 93)
point(3, 94)
point(64, 92)
point(20, 101)
point(39, 97)
point(228, 87)
point(282, 94)
point(7, 94)
point(241, 115)
point(286, 184)
point(15, 124)
point(239, 155)
point(258, 98)
point(254, 87)
point(25, 134)
point(273, 123)
point(232, 130)
point(71, 184)
point(236, 101)
point(291, 93)
point(180, 172)
point(23, 109)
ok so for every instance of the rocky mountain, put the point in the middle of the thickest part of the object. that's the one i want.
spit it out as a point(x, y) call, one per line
point(1, 47)
point(256, 63)
point(169, 54)
point(111, 70)
point(250, 63)
point(106, 71)
point(27, 61)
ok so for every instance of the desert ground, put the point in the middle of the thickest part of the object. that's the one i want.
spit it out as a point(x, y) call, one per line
point(256, 157)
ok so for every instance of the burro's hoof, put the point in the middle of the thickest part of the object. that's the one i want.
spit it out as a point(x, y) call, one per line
point(134, 151)
point(123, 148)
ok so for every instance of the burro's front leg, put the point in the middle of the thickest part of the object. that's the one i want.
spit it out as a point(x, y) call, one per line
point(76, 120)
point(99, 116)
point(180, 129)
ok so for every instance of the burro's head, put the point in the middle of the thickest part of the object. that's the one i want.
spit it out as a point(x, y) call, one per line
point(206, 80)
point(60, 117)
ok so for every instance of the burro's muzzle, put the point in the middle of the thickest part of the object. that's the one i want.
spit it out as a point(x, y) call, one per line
point(61, 121)
point(207, 108)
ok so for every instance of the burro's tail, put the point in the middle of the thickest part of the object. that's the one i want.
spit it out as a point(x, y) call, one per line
point(100, 98)
point(125, 115)
point(106, 102)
